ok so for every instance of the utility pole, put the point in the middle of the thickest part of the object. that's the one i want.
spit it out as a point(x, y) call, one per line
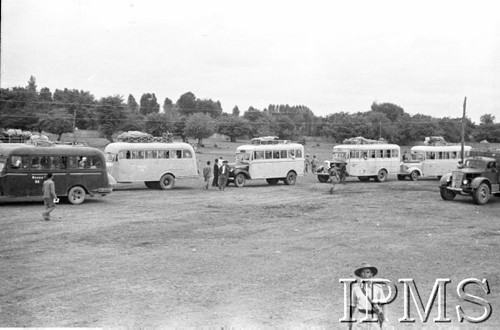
point(463, 131)
point(74, 127)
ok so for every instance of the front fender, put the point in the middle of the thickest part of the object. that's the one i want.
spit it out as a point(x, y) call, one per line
point(477, 181)
point(238, 171)
point(445, 179)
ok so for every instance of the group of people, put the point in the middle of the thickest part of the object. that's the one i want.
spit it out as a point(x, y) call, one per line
point(310, 164)
point(219, 173)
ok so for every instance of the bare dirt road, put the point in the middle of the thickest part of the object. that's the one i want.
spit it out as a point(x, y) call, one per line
point(258, 256)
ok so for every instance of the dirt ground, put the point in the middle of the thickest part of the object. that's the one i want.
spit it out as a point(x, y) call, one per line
point(258, 256)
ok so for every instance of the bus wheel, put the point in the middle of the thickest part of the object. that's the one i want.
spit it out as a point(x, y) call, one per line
point(381, 176)
point(323, 178)
point(290, 179)
point(76, 195)
point(414, 176)
point(363, 178)
point(239, 180)
point(167, 182)
point(272, 181)
point(482, 194)
point(446, 194)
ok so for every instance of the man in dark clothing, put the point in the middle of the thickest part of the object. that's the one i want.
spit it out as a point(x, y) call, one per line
point(215, 182)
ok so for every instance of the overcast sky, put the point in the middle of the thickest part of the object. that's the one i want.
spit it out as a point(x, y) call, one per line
point(330, 56)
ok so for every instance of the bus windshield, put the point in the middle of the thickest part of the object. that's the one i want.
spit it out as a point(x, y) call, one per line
point(339, 155)
point(475, 163)
point(243, 156)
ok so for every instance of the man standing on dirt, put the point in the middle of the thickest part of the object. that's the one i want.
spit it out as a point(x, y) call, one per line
point(223, 175)
point(342, 172)
point(334, 176)
point(215, 183)
point(307, 163)
point(314, 164)
point(365, 298)
point(49, 194)
point(207, 173)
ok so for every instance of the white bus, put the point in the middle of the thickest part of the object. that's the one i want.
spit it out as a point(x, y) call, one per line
point(435, 161)
point(364, 161)
point(273, 162)
point(156, 164)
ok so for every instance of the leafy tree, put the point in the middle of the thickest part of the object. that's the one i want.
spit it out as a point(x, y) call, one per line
point(253, 114)
point(168, 106)
point(15, 111)
point(180, 126)
point(487, 119)
point(392, 111)
point(199, 126)
point(187, 104)
point(132, 105)
point(110, 115)
point(157, 124)
point(284, 127)
point(57, 121)
point(77, 102)
point(236, 111)
point(149, 104)
point(233, 126)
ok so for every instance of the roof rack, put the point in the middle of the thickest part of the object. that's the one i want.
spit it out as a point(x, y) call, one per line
point(269, 140)
point(362, 140)
point(140, 137)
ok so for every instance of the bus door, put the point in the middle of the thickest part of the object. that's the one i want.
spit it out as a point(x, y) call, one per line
point(17, 177)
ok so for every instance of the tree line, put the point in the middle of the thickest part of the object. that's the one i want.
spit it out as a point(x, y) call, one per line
point(28, 108)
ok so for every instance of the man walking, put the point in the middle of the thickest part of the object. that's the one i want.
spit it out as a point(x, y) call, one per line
point(215, 182)
point(314, 164)
point(49, 194)
point(307, 163)
point(207, 173)
point(223, 175)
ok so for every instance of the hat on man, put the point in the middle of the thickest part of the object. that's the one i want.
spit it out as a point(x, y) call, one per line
point(363, 266)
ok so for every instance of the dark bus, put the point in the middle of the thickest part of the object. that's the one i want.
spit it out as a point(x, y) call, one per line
point(78, 171)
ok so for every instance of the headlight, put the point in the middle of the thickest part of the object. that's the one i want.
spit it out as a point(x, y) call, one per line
point(448, 179)
point(465, 181)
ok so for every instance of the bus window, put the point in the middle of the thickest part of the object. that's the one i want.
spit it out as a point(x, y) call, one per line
point(291, 153)
point(454, 155)
point(137, 154)
point(94, 162)
point(298, 153)
point(56, 163)
point(163, 154)
point(187, 154)
point(178, 153)
point(353, 153)
point(82, 162)
point(269, 154)
point(44, 162)
point(259, 155)
point(395, 153)
point(446, 155)
point(19, 162)
point(283, 154)
point(387, 153)
point(276, 154)
point(379, 153)
point(150, 154)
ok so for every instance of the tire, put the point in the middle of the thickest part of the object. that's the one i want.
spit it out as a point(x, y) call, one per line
point(152, 184)
point(239, 180)
point(414, 176)
point(291, 178)
point(167, 182)
point(76, 195)
point(323, 178)
point(401, 177)
point(363, 178)
point(482, 194)
point(446, 194)
point(381, 176)
point(272, 181)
